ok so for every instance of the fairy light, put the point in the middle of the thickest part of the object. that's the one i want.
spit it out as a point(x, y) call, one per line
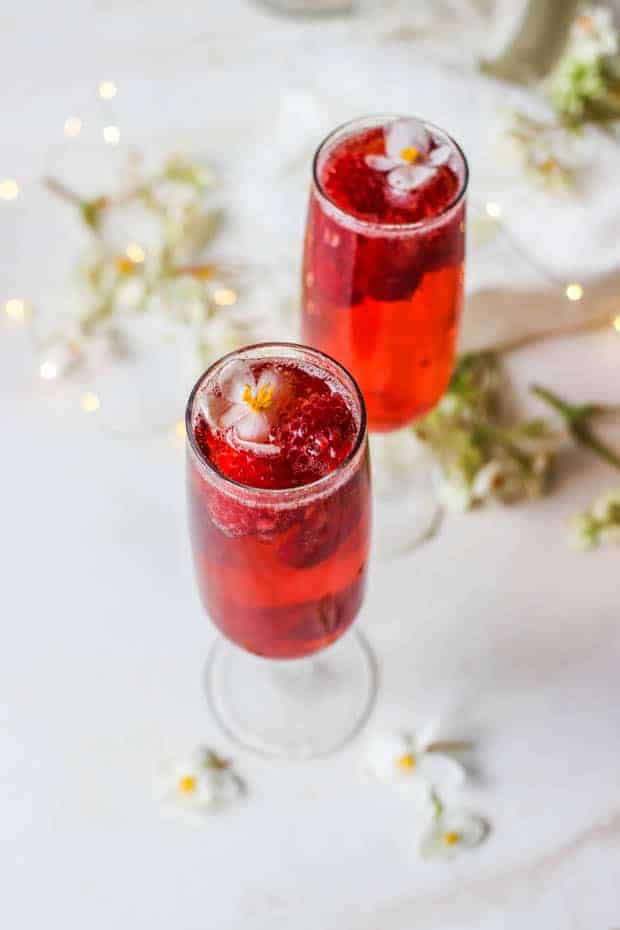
point(616, 324)
point(225, 297)
point(135, 253)
point(111, 134)
point(90, 402)
point(48, 370)
point(9, 189)
point(179, 428)
point(493, 209)
point(73, 126)
point(15, 308)
point(574, 291)
point(107, 90)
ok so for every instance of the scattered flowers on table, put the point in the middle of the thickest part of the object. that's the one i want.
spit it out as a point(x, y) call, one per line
point(482, 456)
point(409, 160)
point(450, 831)
point(203, 783)
point(430, 772)
point(600, 524)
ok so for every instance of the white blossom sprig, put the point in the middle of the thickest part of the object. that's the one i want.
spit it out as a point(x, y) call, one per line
point(481, 454)
point(584, 83)
point(583, 87)
point(146, 254)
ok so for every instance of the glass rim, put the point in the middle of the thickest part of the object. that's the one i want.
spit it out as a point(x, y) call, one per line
point(383, 120)
point(283, 495)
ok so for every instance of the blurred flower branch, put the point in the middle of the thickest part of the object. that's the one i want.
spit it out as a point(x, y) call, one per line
point(483, 453)
point(147, 254)
point(583, 87)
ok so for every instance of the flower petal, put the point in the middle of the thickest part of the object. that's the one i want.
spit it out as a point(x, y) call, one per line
point(212, 406)
point(382, 162)
point(254, 426)
point(404, 134)
point(409, 177)
point(440, 156)
point(487, 479)
point(471, 828)
point(440, 771)
point(430, 845)
point(383, 751)
point(232, 415)
point(234, 378)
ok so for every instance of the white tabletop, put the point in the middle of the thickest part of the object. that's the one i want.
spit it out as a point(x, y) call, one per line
point(496, 625)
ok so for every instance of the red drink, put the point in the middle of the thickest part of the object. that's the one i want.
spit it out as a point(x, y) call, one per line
point(384, 259)
point(279, 498)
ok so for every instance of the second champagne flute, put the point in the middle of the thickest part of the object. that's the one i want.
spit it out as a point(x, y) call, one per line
point(383, 283)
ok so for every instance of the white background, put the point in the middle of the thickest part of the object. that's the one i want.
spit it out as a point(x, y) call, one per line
point(495, 625)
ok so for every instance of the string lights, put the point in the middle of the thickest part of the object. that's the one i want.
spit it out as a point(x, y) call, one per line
point(225, 297)
point(574, 291)
point(9, 189)
point(135, 253)
point(107, 90)
point(16, 309)
point(90, 403)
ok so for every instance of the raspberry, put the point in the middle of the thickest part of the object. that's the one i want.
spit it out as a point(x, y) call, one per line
point(314, 430)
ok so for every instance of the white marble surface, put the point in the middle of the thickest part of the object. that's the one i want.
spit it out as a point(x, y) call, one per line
point(495, 625)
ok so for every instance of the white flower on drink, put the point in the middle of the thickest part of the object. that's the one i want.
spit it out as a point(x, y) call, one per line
point(409, 159)
point(414, 762)
point(202, 783)
point(450, 831)
point(245, 406)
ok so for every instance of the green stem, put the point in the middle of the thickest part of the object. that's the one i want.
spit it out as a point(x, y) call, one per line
point(576, 418)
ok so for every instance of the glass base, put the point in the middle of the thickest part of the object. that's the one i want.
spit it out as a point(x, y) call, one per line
point(406, 509)
point(292, 708)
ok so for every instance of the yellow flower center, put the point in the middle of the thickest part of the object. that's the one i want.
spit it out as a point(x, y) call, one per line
point(451, 838)
point(406, 762)
point(187, 784)
point(259, 400)
point(409, 154)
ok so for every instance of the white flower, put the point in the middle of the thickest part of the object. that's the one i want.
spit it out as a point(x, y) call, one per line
point(453, 492)
point(408, 761)
point(409, 159)
point(245, 406)
point(488, 479)
point(593, 35)
point(450, 832)
point(202, 782)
